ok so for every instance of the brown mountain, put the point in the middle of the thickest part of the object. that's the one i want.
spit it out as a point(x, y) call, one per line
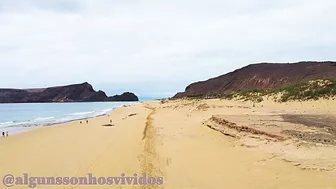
point(70, 93)
point(261, 76)
point(127, 96)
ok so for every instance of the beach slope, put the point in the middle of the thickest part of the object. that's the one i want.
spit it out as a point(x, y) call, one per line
point(179, 141)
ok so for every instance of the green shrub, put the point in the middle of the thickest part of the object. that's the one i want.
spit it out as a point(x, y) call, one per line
point(310, 90)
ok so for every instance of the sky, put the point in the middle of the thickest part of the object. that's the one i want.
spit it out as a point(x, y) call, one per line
point(155, 48)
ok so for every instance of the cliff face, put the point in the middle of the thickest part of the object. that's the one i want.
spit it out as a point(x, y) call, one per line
point(261, 76)
point(71, 93)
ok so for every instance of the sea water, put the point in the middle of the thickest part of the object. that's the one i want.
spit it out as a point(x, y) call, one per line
point(16, 118)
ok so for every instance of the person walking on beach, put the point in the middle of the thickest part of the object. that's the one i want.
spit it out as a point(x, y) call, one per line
point(3, 133)
point(87, 121)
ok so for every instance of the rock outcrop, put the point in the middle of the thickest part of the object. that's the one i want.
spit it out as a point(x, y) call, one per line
point(127, 96)
point(71, 93)
point(260, 77)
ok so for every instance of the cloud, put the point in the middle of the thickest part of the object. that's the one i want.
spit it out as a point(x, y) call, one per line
point(155, 47)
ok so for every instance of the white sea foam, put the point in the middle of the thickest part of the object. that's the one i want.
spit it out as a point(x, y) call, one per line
point(6, 123)
point(13, 124)
point(103, 112)
point(43, 118)
point(81, 113)
point(22, 117)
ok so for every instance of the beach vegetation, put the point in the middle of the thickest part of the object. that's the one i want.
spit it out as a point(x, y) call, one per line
point(308, 90)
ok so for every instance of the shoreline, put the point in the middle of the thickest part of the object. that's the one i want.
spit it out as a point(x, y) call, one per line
point(44, 125)
point(171, 139)
point(25, 126)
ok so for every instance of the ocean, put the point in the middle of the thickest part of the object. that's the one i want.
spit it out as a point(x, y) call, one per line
point(16, 118)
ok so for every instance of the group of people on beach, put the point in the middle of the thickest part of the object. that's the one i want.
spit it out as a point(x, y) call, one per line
point(87, 122)
point(5, 134)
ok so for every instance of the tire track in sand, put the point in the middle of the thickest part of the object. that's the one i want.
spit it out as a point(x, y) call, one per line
point(150, 159)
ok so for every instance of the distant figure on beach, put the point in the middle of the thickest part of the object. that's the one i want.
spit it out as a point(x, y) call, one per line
point(3, 133)
point(87, 121)
point(80, 122)
point(110, 120)
point(6, 133)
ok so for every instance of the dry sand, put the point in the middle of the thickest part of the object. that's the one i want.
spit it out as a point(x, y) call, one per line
point(174, 140)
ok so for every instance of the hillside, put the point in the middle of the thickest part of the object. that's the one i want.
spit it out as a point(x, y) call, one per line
point(261, 77)
point(71, 93)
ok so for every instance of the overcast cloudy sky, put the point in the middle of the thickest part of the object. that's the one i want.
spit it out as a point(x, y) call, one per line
point(155, 47)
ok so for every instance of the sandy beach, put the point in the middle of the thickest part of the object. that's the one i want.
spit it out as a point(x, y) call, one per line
point(215, 94)
point(189, 143)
